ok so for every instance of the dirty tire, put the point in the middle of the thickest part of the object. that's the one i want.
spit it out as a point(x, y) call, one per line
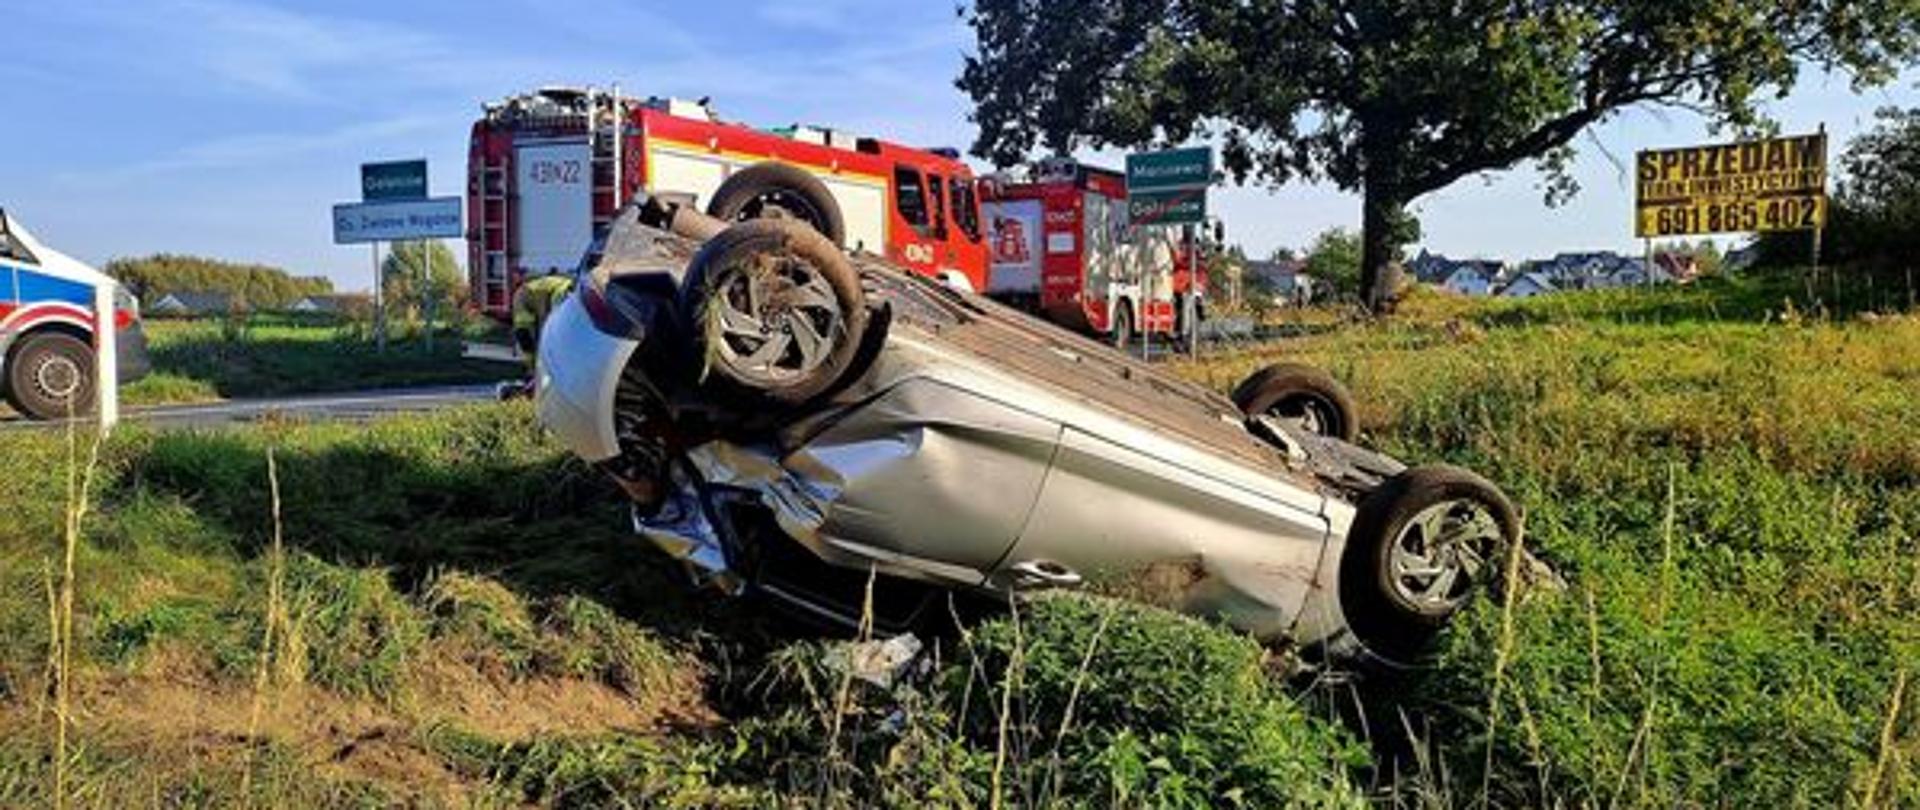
point(779, 190)
point(775, 312)
point(1122, 332)
point(50, 376)
point(1302, 394)
point(1432, 518)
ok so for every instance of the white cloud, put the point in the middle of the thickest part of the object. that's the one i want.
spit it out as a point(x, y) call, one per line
point(260, 150)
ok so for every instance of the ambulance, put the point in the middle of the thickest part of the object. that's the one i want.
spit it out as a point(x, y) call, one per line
point(48, 320)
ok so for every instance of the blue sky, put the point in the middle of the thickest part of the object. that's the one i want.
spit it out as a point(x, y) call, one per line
point(229, 127)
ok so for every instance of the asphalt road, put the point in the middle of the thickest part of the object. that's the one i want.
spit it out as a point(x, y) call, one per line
point(351, 406)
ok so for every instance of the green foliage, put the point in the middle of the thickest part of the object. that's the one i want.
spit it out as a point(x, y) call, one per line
point(610, 771)
point(1390, 98)
point(422, 281)
point(1334, 259)
point(1873, 218)
point(279, 355)
point(1166, 711)
point(251, 286)
point(1760, 671)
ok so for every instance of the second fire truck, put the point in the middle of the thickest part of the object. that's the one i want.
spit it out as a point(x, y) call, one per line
point(1063, 246)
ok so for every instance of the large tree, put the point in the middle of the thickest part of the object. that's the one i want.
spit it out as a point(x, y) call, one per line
point(1395, 98)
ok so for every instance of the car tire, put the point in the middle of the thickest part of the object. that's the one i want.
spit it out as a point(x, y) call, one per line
point(1419, 548)
point(775, 312)
point(779, 191)
point(1121, 332)
point(1303, 395)
point(50, 375)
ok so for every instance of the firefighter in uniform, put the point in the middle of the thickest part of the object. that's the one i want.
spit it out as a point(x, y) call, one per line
point(532, 303)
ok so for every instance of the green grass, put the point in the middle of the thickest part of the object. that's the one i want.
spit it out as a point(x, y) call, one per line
point(263, 356)
point(468, 623)
point(1748, 658)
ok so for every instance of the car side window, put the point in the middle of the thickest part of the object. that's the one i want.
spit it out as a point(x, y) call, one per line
point(910, 196)
point(937, 193)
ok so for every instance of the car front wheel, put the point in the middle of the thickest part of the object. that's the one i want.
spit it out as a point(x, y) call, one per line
point(1421, 546)
point(776, 311)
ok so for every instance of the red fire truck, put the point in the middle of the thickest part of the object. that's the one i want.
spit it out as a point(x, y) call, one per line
point(548, 170)
point(1063, 246)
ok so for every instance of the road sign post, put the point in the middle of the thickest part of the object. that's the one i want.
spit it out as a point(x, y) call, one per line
point(394, 206)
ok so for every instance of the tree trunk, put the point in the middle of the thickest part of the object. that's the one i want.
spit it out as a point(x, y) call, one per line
point(1381, 213)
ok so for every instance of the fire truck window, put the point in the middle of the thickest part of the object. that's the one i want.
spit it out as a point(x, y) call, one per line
point(937, 193)
point(910, 197)
point(966, 211)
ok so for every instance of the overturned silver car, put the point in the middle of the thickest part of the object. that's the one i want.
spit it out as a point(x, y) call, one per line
point(790, 421)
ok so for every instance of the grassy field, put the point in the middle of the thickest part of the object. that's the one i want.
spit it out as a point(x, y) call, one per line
point(211, 358)
point(447, 611)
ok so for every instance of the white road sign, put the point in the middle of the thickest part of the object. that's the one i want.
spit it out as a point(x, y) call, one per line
point(432, 218)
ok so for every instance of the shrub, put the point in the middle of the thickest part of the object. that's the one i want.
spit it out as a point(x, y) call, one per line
point(1166, 712)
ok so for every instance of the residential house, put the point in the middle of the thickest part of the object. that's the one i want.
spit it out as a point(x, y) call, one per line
point(1285, 279)
point(1528, 285)
point(1433, 268)
point(190, 303)
point(1468, 280)
point(318, 305)
point(1680, 268)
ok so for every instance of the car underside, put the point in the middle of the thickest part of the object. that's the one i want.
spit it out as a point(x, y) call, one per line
point(837, 434)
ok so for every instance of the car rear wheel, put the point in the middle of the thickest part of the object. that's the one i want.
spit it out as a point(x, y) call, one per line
point(1421, 546)
point(779, 191)
point(50, 376)
point(776, 311)
point(1302, 395)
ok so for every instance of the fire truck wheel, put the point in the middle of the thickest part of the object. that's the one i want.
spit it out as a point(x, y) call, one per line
point(779, 190)
point(50, 376)
point(776, 310)
point(1300, 394)
point(1122, 332)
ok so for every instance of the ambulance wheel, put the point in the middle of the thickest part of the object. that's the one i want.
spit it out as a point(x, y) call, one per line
point(1122, 331)
point(776, 312)
point(50, 376)
point(1302, 395)
point(779, 191)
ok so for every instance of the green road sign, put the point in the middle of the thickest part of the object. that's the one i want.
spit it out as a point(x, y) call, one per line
point(1173, 207)
point(1171, 169)
point(394, 180)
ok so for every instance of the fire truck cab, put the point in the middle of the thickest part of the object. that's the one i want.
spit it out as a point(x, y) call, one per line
point(547, 171)
point(1063, 246)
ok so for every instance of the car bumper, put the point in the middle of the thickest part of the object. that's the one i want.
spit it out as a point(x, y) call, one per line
point(132, 362)
point(576, 374)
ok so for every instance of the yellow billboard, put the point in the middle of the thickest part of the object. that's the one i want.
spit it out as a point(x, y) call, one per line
point(1776, 184)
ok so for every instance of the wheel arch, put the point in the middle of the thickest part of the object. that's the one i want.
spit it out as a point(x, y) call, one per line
point(11, 340)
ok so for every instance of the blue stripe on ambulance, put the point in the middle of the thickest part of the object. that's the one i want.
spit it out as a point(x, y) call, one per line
point(39, 288)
